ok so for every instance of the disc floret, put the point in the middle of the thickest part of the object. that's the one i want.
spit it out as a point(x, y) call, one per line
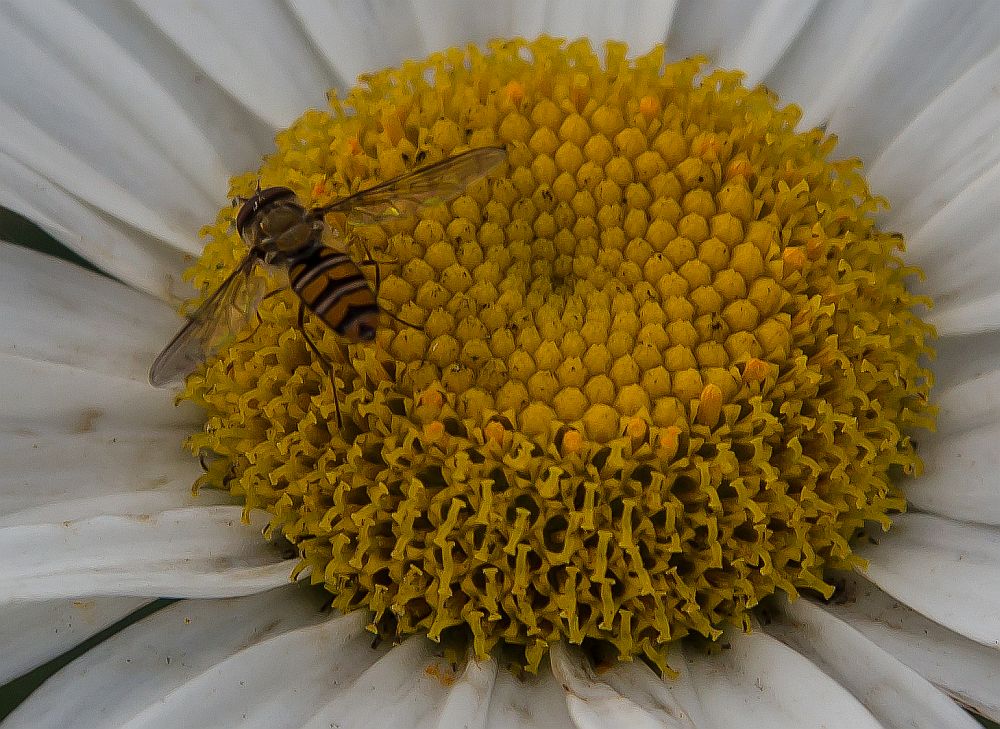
point(666, 362)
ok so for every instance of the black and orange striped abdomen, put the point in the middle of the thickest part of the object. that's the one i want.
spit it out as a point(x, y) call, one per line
point(333, 288)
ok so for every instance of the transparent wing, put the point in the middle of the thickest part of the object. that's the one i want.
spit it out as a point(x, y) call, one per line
point(213, 325)
point(402, 196)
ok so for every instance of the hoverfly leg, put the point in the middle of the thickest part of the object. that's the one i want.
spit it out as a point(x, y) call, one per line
point(325, 360)
point(403, 321)
point(378, 271)
point(260, 321)
point(378, 283)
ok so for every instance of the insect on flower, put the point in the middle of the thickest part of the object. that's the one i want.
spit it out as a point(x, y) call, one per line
point(280, 232)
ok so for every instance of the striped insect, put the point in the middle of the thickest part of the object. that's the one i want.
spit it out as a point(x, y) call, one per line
point(281, 232)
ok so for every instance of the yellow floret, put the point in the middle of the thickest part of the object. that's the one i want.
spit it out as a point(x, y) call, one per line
point(666, 362)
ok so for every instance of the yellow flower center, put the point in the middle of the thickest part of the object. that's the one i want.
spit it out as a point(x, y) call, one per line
point(666, 362)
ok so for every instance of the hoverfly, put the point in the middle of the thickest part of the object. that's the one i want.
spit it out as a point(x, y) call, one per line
point(280, 232)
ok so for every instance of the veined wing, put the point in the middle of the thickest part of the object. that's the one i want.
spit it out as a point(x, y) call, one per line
point(212, 326)
point(404, 195)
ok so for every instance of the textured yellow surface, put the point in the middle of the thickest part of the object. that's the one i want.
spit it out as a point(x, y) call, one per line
point(667, 363)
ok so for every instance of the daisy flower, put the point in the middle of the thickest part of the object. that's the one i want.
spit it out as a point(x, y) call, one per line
point(660, 449)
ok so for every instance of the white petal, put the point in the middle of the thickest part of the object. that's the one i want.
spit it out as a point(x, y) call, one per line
point(982, 314)
point(640, 24)
point(427, 693)
point(133, 132)
point(255, 50)
point(945, 149)
point(273, 683)
point(967, 670)
point(140, 260)
point(947, 570)
point(357, 38)
point(594, 703)
point(59, 313)
point(41, 397)
point(964, 358)
point(52, 468)
point(893, 692)
point(771, 30)
point(748, 36)
point(33, 633)
point(962, 476)
point(926, 49)
point(200, 551)
point(957, 249)
point(828, 55)
point(75, 355)
point(183, 90)
point(960, 460)
point(470, 697)
point(441, 24)
point(77, 413)
point(529, 702)
point(405, 689)
point(668, 699)
point(131, 504)
point(113, 683)
point(709, 28)
point(759, 683)
point(967, 405)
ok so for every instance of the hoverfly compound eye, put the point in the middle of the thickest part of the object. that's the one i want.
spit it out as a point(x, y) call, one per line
point(260, 200)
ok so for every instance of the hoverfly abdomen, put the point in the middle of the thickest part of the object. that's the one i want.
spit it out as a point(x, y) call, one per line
point(333, 288)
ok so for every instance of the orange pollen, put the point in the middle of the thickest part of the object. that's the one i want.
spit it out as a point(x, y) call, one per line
point(495, 431)
point(434, 430)
point(572, 442)
point(738, 167)
point(755, 370)
point(649, 106)
point(432, 398)
point(711, 405)
point(637, 430)
point(794, 258)
point(669, 441)
point(514, 92)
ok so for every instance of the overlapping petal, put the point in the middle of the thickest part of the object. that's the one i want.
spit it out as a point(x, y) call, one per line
point(35, 632)
point(962, 468)
point(118, 682)
point(967, 670)
point(891, 690)
point(121, 125)
point(947, 570)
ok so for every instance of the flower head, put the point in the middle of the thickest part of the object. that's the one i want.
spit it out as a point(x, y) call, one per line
point(665, 363)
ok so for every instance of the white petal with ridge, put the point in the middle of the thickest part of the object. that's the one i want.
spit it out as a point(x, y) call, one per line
point(33, 633)
point(892, 691)
point(756, 682)
point(202, 551)
point(967, 670)
point(254, 49)
point(102, 135)
point(947, 570)
point(114, 684)
point(58, 313)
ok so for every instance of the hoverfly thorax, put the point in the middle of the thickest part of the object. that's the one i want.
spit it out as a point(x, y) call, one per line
point(329, 284)
point(275, 224)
